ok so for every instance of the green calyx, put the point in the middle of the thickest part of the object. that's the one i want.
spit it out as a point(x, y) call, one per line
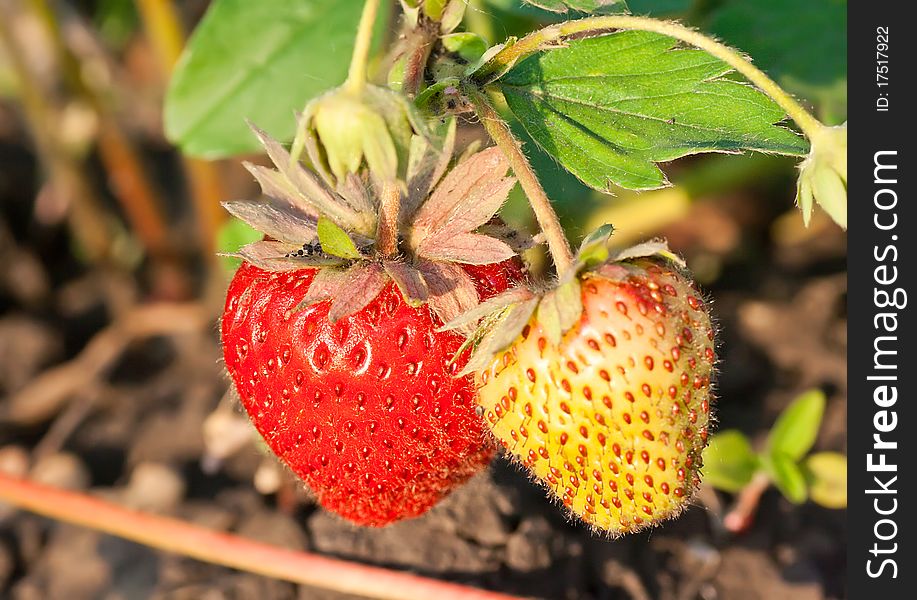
point(363, 230)
point(558, 309)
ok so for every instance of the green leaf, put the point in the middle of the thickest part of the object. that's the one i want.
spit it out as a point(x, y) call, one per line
point(259, 61)
point(826, 473)
point(470, 46)
point(729, 461)
point(797, 426)
point(572, 198)
point(778, 32)
point(586, 6)
point(335, 241)
point(609, 108)
point(234, 234)
point(787, 476)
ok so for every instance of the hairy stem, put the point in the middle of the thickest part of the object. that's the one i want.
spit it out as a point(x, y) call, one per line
point(419, 44)
point(229, 550)
point(538, 40)
point(389, 208)
point(356, 77)
point(541, 205)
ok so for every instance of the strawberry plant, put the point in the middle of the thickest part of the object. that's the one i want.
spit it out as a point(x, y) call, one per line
point(334, 345)
point(732, 465)
point(383, 329)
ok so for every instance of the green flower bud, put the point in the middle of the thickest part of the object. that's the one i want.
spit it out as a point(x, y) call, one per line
point(823, 175)
point(373, 125)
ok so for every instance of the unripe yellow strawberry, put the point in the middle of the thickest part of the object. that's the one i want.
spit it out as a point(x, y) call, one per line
point(613, 418)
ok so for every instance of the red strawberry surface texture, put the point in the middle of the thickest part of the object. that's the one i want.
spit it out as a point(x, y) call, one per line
point(366, 410)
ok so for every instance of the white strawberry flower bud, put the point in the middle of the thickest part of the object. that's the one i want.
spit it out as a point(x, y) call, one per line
point(373, 124)
point(823, 175)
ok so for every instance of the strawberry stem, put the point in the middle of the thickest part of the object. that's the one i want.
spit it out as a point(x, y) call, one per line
point(547, 219)
point(390, 206)
point(356, 77)
point(742, 514)
point(173, 535)
point(539, 40)
point(419, 44)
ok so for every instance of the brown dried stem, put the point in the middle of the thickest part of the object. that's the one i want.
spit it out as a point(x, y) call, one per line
point(43, 397)
point(389, 209)
point(232, 551)
point(167, 37)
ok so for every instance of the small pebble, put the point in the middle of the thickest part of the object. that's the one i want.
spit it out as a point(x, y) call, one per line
point(225, 433)
point(61, 470)
point(154, 487)
point(528, 548)
point(14, 461)
point(268, 478)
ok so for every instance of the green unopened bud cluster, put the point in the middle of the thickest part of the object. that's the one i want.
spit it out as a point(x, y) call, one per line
point(372, 124)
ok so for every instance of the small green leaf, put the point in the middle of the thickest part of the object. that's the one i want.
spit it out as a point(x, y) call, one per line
point(549, 317)
point(797, 426)
point(826, 473)
point(609, 108)
point(259, 61)
point(787, 476)
point(233, 235)
point(569, 303)
point(729, 461)
point(335, 241)
point(434, 8)
point(594, 249)
point(470, 46)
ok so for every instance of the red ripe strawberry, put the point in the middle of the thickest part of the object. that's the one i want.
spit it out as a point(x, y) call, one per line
point(331, 339)
point(604, 392)
point(366, 410)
